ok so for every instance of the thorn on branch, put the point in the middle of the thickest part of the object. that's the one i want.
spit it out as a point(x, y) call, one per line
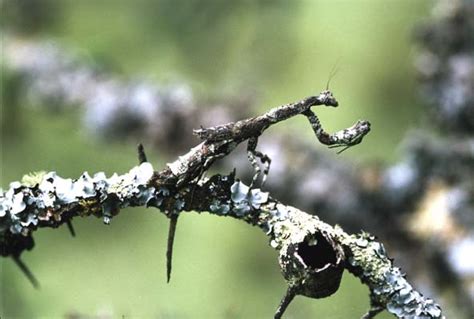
point(373, 311)
point(71, 228)
point(26, 271)
point(141, 154)
point(169, 249)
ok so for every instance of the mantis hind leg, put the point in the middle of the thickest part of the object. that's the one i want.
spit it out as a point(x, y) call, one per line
point(253, 155)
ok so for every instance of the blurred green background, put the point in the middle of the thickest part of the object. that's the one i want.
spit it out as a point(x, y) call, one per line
point(280, 50)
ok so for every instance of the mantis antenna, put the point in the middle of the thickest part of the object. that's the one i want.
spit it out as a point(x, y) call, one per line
point(333, 72)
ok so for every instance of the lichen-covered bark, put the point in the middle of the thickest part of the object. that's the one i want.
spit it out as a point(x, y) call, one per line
point(312, 253)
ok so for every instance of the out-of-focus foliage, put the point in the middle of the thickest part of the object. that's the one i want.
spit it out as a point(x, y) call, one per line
point(10, 86)
point(277, 51)
point(29, 16)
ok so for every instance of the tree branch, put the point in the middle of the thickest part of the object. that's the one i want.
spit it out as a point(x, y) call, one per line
point(312, 253)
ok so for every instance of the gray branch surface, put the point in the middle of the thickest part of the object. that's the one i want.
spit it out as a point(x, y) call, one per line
point(312, 253)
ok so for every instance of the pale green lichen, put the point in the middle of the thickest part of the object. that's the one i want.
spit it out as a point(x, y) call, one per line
point(42, 197)
point(369, 261)
point(32, 179)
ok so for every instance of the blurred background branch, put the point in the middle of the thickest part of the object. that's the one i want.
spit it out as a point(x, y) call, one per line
point(210, 55)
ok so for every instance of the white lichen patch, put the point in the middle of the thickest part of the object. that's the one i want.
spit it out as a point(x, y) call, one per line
point(43, 199)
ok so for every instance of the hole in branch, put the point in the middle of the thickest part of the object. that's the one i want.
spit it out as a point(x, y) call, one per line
point(319, 255)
